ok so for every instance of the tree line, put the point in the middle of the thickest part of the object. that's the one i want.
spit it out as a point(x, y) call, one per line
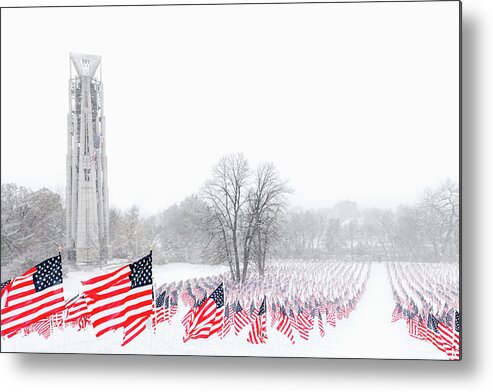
point(241, 218)
point(425, 232)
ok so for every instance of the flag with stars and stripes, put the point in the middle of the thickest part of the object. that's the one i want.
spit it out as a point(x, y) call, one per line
point(5, 289)
point(341, 312)
point(447, 335)
point(159, 310)
point(121, 298)
point(228, 321)
point(77, 312)
point(258, 331)
point(304, 323)
point(43, 328)
point(173, 306)
point(330, 317)
point(413, 326)
point(32, 297)
point(397, 313)
point(187, 297)
point(207, 318)
point(321, 329)
point(422, 328)
point(433, 334)
point(284, 325)
point(187, 319)
point(457, 331)
point(241, 318)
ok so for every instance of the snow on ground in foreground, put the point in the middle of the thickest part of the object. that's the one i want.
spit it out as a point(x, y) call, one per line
point(367, 333)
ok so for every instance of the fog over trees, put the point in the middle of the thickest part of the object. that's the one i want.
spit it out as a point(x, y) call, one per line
point(425, 232)
point(240, 217)
point(33, 227)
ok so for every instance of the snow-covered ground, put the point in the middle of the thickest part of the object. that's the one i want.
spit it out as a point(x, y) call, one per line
point(367, 333)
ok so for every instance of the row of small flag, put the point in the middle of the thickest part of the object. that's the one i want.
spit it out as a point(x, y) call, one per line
point(124, 298)
point(426, 287)
point(332, 285)
point(211, 316)
point(440, 333)
point(301, 298)
point(427, 297)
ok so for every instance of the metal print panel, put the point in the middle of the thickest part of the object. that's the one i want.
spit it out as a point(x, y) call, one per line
point(241, 180)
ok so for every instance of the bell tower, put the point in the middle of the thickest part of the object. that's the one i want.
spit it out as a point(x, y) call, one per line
point(87, 208)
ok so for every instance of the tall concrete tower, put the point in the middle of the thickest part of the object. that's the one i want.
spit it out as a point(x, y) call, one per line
point(87, 173)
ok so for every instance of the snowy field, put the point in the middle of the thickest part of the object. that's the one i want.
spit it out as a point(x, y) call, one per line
point(367, 333)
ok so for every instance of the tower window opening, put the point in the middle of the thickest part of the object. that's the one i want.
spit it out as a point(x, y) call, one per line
point(85, 63)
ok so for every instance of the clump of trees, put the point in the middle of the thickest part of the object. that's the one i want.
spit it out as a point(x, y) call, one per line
point(33, 227)
point(177, 234)
point(427, 231)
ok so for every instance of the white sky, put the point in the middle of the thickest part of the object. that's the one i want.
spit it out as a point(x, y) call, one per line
point(357, 101)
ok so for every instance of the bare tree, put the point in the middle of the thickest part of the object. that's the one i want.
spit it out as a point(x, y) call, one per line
point(226, 193)
point(266, 205)
point(243, 207)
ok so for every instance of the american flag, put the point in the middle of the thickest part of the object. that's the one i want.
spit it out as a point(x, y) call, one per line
point(253, 311)
point(186, 321)
point(348, 309)
point(330, 317)
point(34, 296)
point(57, 320)
point(43, 328)
point(4, 291)
point(321, 325)
point(121, 298)
point(241, 318)
point(341, 312)
point(134, 328)
point(305, 323)
point(275, 313)
point(447, 335)
point(207, 318)
point(75, 310)
point(227, 321)
point(173, 305)
point(199, 293)
point(457, 330)
point(293, 319)
point(167, 311)
point(397, 313)
point(422, 328)
point(159, 309)
point(433, 334)
point(413, 326)
point(284, 325)
point(187, 297)
point(188, 318)
point(94, 156)
point(258, 331)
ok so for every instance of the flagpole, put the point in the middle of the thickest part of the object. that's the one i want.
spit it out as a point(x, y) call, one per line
point(153, 316)
point(63, 312)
